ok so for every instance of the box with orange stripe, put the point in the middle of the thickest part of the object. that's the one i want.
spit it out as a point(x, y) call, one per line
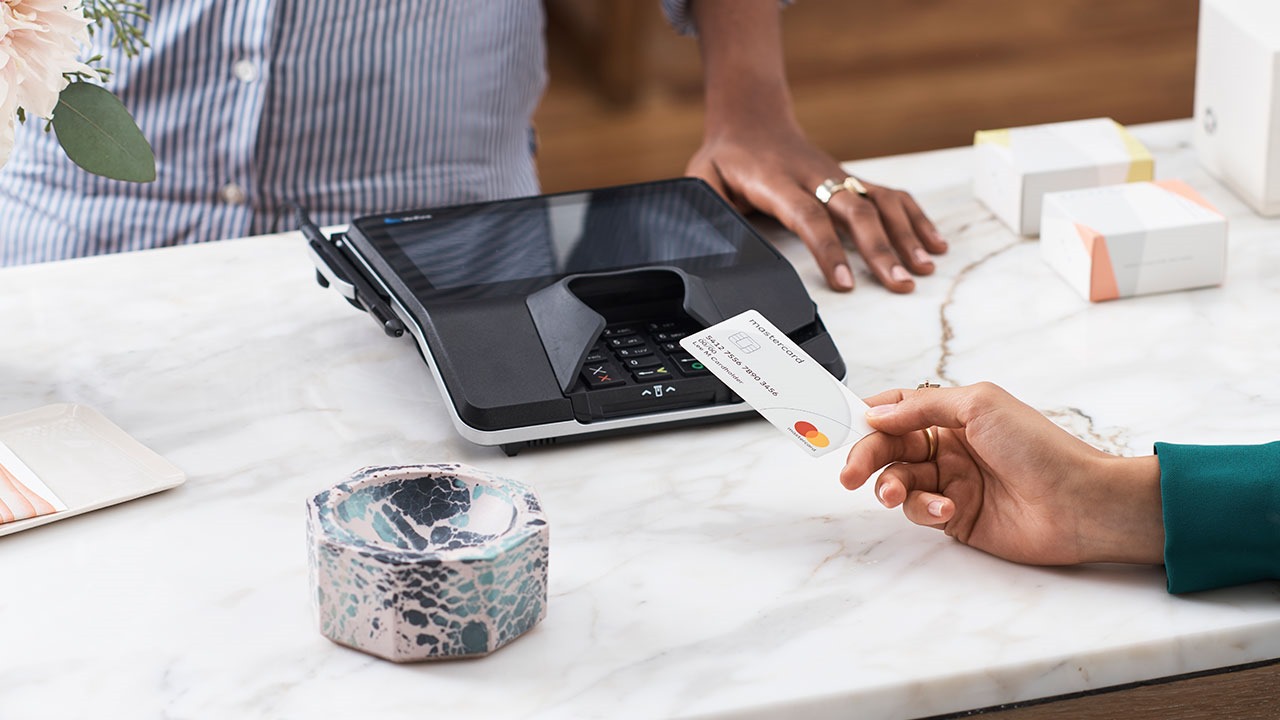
point(1134, 239)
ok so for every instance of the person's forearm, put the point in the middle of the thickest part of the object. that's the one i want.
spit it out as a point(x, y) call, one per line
point(743, 69)
point(1125, 523)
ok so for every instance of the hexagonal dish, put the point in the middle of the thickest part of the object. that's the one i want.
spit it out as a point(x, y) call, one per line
point(424, 562)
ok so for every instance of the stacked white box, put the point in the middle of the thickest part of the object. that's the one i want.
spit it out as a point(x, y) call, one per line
point(1134, 239)
point(1237, 121)
point(1015, 167)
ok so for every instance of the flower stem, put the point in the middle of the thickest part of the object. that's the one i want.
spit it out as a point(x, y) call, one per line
point(127, 20)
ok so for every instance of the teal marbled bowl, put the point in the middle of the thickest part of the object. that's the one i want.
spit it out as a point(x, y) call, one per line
point(426, 562)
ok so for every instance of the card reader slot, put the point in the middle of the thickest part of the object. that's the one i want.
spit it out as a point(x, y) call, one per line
point(630, 297)
point(638, 398)
point(571, 315)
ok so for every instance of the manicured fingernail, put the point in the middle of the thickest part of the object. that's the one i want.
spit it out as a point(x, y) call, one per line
point(844, 277)
point(939, 239)
point(880, 494)
point(878, 410)
point(899, 274)
point(935, 508)
point(922, 256)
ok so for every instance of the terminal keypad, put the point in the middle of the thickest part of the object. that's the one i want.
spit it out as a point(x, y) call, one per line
point(640, 353)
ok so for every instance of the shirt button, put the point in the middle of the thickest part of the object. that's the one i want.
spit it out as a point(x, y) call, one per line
point(232, 194)
point(246, 70)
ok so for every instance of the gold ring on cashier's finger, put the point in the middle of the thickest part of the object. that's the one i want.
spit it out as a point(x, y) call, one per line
point(931, 434)
point(827, 189)
point(852, 184)
point(927, 384)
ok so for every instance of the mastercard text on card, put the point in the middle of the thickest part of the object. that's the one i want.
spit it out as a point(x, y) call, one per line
point(790, 389)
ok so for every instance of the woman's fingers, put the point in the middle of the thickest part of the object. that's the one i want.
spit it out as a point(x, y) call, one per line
point(944, 407)
point(900, 480)
point(878, 450)
point(862, 221)
point(902, 416)
point(914, 486)
point(929, 509)
point(801, 213)
point(902, 232)
point(924, 227)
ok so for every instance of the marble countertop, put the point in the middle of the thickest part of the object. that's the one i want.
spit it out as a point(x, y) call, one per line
point(703, 572)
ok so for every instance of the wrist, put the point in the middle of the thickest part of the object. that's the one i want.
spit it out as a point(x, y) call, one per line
point(1122, 514)
point(751, 111)
point(743, 65)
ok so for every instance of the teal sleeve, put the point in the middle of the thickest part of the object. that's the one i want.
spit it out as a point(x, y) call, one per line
point(1221, 514)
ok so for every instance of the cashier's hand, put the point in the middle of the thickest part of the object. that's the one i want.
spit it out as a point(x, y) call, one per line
point(769, 166)
point(1007, 480)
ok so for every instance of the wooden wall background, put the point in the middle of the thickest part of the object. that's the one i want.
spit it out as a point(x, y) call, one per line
point(869, 77)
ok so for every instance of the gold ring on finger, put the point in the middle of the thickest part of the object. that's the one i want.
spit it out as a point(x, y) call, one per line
point(827, 189)
point(931, 435)
point(852, 184)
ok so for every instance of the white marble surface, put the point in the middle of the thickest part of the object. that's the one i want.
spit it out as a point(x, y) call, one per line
point(709, 572)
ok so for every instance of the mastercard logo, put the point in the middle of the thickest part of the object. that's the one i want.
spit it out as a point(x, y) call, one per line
point(811, 434)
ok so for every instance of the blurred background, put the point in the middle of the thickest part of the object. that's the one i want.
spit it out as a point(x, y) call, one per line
point(869, 77)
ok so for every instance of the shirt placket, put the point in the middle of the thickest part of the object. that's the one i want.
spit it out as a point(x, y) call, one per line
point(246, 37)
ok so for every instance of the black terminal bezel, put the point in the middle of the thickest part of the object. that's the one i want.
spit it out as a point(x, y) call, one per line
point(379, 239)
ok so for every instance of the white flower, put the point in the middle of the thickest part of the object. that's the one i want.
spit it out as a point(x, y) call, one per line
point(39, 41)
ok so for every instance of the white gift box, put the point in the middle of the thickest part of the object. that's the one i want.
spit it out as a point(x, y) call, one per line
point(1134, 239)
point(1237, 123)
point(1015, 167)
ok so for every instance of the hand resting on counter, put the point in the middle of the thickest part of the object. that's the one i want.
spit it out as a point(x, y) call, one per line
point(755, 155)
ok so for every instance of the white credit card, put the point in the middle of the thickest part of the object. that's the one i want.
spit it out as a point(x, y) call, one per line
point(790, 389)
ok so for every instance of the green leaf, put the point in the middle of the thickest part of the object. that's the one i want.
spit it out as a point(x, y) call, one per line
point(99, 134)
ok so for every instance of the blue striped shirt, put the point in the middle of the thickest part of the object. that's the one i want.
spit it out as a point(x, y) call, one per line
point(348, 107)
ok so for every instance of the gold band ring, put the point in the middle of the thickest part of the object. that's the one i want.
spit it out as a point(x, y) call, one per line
point(930, 433)
point(829, 188)
point(852, 184)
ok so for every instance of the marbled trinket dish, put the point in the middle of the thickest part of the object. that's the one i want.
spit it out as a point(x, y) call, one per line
point(424, 562)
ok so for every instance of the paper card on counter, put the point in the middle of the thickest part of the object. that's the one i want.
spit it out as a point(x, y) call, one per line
point(22, 494)
point(782, 382)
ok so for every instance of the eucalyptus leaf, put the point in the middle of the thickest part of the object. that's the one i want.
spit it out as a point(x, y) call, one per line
point(98, 134)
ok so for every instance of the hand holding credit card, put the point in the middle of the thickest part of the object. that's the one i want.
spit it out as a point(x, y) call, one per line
point(773, 375)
